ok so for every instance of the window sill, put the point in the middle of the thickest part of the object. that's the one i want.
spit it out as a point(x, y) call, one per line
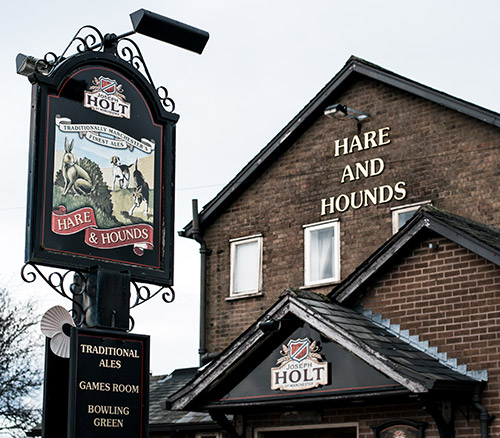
point(242, 296)
point(318, 285)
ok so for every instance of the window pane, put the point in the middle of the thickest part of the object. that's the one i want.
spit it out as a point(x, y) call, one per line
point(246, 269)
point(321, 255)
point(405, 217)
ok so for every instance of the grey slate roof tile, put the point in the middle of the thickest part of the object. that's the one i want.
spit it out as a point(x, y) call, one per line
point(381, 339)
point(160, 388)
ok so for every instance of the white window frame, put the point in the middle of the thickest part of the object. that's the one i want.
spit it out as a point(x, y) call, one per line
point(210, 434)
point(335, 224)
point(258, 432)
point(234, 244)
point(396, 211)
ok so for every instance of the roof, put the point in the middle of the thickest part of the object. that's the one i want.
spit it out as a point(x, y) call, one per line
point(414, 369)
point(481, 239)
point(160, 388)
point(353, 69)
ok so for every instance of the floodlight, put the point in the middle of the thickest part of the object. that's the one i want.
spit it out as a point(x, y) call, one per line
point(169, 31)
point(340, 111)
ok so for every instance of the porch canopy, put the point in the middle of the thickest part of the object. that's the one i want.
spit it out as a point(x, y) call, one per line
point(308, 349)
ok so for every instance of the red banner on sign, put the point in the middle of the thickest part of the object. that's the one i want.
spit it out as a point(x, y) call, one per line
point(140, 236)
point(71, 223)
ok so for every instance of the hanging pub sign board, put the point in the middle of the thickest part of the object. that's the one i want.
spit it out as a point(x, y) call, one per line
point(101, 178)
point(109, 384)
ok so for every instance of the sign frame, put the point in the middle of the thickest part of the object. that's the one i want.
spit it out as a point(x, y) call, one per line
point(85, 360)
point(139, 241)
point(400, 428)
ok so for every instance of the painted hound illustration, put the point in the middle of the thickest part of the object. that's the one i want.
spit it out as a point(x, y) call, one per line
point(141, 193)
point(121, 173)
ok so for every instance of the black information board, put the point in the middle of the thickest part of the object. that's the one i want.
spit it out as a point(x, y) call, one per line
point(109, 384)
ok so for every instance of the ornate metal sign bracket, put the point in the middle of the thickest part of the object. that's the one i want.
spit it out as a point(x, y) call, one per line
point(143, 294)
point(70, 285)
point(90, 39)
point(73, 285)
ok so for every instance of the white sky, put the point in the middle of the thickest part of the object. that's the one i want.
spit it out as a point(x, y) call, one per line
point(264, 61)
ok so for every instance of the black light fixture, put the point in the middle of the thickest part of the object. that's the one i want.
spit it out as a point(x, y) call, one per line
point(340, 111)
point(26, 65)
point(169, 31)
point(270, 326)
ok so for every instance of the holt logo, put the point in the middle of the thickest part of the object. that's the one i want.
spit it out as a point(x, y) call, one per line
point(108, 86)
point(299, 349)
point(301, 367)
point(106, 96)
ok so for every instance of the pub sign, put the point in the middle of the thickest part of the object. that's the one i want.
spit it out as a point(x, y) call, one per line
point(109, 384)
point(101, 170)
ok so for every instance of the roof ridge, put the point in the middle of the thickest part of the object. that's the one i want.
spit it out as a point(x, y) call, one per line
point(304, 293)
point(423, 346)
point(433, 209)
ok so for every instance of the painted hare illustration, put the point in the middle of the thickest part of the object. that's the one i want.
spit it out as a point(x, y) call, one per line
point(75, 177)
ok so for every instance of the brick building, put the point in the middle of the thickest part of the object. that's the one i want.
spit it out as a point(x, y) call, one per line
point(350, 271)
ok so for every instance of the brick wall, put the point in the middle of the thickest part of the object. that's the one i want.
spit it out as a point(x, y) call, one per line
point(362, 418)
point(449, 297)
point(466, 422)
point(441, 155)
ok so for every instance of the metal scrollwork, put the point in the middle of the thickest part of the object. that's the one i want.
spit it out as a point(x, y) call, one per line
point(131, 324)
point(70, 285)
point(129, 51)
point(46, 65)
point(89, 38)
point(166, 101)
point(143, 294)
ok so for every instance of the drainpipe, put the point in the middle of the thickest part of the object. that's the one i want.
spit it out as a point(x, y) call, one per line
point(204, 251)
point(484, 417)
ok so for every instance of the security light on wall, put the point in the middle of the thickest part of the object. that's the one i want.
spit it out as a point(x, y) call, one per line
point(340, 112)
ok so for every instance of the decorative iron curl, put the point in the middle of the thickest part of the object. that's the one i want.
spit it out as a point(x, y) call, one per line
point(131, 323)
point(166, 101)
point(129, 51)
point(93, 40)
point(59, 282)
point(143, 294)
point(87, 38)
point(46, 65)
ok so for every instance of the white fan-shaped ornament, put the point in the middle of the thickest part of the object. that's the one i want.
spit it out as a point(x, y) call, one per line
point(60, 345)
point(52, 325)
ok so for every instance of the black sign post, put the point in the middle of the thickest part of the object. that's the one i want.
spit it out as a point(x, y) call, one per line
point(101, 204)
